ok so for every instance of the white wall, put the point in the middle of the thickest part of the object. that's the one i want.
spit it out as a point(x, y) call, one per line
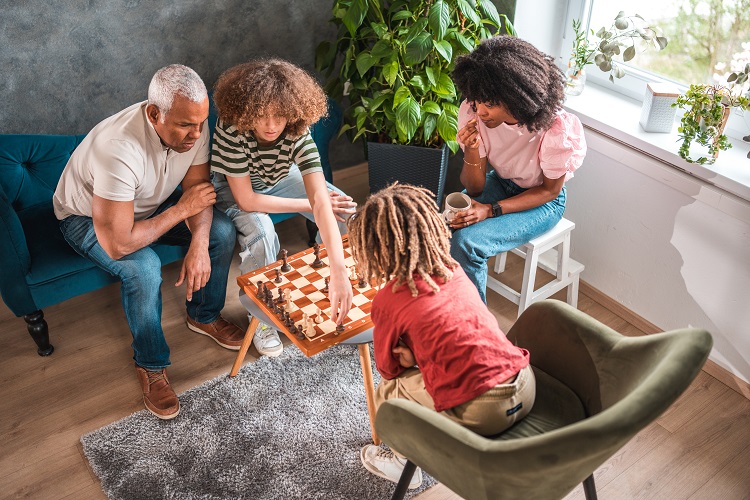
point(539, 23)
point(667, 256)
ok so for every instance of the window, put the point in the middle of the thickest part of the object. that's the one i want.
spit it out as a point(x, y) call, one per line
point(708, 40)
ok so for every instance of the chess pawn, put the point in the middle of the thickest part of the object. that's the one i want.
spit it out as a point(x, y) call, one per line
point(304, 319)
point(325, 280)
point(278, 276)
point(260, 287)
point(310, 329)
point(317, 263)
point(319, 316)
point(285, 267)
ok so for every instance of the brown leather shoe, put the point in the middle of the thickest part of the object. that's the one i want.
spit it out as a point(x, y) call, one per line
point(158, 395)
point(222, 331)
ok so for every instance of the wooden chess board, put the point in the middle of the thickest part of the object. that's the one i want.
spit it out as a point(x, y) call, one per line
point(306, 285)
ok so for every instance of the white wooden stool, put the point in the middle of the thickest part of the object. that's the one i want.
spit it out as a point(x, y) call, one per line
point(551, 252)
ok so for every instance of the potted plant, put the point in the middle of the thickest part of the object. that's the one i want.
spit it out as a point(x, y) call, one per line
point(392, 61)
point(707, 111)
point(622, 38)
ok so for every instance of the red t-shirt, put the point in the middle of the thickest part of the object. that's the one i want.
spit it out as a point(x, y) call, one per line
point(456, 340)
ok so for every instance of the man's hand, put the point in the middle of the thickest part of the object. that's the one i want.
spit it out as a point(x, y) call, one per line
point(343, 206)
point(404, 355)
point(469, 135)
point(196, 270)
point(196, 198)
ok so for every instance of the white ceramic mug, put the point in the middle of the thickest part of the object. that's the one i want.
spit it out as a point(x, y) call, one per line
point(455, 203)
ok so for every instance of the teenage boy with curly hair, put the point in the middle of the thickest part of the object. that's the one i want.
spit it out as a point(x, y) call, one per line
point(265, 161)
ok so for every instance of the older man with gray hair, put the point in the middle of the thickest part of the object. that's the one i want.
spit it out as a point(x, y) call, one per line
point(117, 196)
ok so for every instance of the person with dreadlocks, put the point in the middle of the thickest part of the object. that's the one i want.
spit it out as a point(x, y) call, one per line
point(265, 161)
point(435, 341)
point(519, 147)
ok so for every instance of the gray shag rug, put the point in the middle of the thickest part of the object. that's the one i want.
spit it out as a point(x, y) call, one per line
point(288, 427)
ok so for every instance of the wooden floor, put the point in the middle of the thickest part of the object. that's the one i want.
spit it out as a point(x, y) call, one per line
point(699, 449)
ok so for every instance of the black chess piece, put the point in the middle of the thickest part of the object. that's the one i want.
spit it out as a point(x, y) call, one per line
point(285, 267)
point(340, 329)
point(317, 263)
point(278, 276)
point(361, 283)
point(325, 281)
point(280, 299)
point(259, 292)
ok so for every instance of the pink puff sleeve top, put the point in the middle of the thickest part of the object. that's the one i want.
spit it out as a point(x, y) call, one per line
point(522, 156)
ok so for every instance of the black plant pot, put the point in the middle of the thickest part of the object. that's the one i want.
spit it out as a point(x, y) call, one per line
point(420, 166)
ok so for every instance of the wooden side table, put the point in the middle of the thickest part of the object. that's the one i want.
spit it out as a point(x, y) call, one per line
point(305, 284)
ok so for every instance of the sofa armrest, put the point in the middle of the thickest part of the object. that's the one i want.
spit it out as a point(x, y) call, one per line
point(14, 254)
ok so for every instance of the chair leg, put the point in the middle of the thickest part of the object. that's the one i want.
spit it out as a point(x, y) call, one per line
point(404, 480)
point(39, 331)
point(312, 232)
point(589, 488)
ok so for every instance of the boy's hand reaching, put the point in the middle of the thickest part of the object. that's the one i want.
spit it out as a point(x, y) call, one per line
point(404, 355)
point(343, 206)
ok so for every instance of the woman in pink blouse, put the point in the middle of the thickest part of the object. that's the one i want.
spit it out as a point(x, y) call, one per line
point(519, 147)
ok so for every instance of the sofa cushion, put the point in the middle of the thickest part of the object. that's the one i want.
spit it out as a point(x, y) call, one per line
point(31, 166)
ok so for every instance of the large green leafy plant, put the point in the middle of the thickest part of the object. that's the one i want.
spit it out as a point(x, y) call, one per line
point(392, 60)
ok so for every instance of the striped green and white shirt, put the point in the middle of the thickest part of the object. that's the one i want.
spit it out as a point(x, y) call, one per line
point(236, 155)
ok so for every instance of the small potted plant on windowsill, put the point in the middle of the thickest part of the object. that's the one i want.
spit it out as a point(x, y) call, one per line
point(707, 109)
point(621, 38)
point(391, 63)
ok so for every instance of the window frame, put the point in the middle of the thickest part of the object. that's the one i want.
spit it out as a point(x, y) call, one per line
point(633, 84)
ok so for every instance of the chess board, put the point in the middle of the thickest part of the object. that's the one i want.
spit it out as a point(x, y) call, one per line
point(306, 284)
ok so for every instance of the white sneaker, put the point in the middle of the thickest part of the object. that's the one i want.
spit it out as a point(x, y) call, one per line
point(386, 464)
point(267, 341)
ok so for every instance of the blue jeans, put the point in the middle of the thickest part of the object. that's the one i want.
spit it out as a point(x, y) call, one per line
point(259, 243)
point(472, 246)
point(140, 274)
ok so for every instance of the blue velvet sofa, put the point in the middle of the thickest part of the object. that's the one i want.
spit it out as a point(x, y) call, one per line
point(39, 268)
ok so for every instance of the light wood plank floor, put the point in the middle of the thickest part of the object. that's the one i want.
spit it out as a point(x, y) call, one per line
point(698, 449)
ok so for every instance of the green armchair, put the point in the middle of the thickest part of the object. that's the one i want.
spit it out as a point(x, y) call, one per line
point(596, 389)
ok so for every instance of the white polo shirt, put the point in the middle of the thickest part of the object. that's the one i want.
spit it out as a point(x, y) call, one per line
point(123, 159)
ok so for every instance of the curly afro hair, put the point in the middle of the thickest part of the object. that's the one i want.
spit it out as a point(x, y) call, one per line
point(248, 91)
point(506, 70)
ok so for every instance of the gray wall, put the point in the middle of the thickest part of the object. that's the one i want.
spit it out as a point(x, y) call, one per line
point(68, 64)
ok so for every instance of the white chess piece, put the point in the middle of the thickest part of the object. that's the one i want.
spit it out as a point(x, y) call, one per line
point(310, 328)
point(319, 316)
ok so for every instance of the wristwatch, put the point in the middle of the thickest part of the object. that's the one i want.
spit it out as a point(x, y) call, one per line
point(497, 210)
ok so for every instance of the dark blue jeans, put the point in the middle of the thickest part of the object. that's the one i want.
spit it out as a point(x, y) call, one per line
point(472, 246)
point(140, 274)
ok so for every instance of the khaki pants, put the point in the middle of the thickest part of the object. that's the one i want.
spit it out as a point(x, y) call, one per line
point(487, 414)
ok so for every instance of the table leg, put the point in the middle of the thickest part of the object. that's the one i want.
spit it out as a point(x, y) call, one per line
point(249, 334)
point(364, 360)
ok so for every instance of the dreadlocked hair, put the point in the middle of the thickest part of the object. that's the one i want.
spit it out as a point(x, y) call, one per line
point(508, 71)
point(260, 87)
point(398, 233)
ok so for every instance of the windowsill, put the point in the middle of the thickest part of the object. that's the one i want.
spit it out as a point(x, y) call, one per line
point(617, 116)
